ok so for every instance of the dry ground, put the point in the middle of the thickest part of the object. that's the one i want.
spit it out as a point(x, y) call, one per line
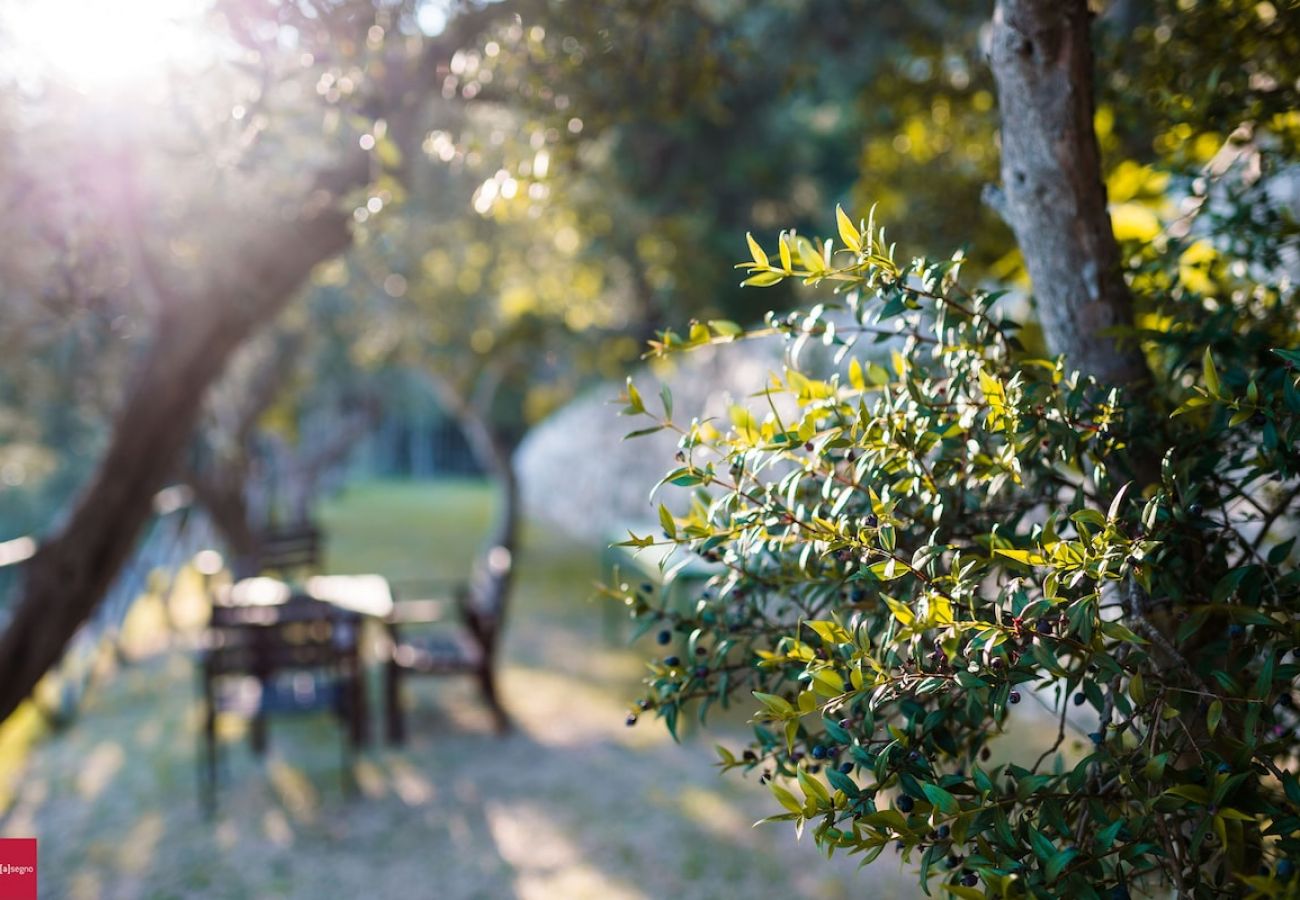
point(572, 805)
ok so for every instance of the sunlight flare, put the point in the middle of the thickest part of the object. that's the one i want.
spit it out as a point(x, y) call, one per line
point(96, 47)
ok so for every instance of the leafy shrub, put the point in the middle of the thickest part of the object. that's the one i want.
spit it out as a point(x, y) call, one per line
point(952, 525)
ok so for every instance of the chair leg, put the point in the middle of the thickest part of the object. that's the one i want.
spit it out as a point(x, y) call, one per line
point(394, 716)
point(208, 764)
point(348, 745)
point(257, 733)
point(356, 711)
point(488, 684)
point(257, 727)
point(348, 769)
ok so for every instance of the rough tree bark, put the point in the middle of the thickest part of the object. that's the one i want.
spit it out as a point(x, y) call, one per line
point(1055, 200)
point(67, 578)
point(64, 581)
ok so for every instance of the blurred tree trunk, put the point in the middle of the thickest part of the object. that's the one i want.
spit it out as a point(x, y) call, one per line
point(1055, 200)
point(64, 582)
point(493, 574)
point(222, 463)
point(67, 578)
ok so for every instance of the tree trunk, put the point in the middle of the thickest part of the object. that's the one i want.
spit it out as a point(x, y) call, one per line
point(1041, 54)
point(224, 498)
point(493, 574)
point(67, 577)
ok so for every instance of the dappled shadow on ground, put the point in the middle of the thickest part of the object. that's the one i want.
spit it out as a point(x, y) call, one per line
point(571, 804)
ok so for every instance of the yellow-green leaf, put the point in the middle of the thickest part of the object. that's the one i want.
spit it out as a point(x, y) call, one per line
point(848, 231)
point(786, 799)
point(829, 682)
point(1028, 557)
point(832, 632)
point(1192, 792)
point(901, 611)
point(763, 279)
point(778, 706)
point(856, 377)
point(813, 789)
point(1136, 688)
point(666, 521)
point(1211, 373)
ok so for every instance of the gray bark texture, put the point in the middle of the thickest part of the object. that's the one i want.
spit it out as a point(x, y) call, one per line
point(64, 581)
point(1041, 55)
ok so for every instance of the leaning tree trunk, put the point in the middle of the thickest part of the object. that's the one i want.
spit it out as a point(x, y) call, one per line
point(65, 580)
point(1041, 54)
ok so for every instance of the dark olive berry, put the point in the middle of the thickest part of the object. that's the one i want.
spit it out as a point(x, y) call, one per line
point(664, 636)
point(1013, 697)
point(905, 803)
point(630, 720)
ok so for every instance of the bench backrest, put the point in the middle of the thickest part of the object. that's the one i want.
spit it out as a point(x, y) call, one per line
point(284, 550)
point(301, 633)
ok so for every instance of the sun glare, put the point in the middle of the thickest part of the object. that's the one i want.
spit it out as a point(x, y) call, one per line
point(99, 46)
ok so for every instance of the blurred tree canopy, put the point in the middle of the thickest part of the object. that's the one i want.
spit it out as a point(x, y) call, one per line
point(508, 197)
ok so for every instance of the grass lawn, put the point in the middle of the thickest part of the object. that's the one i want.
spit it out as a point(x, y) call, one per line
point(571, 805)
